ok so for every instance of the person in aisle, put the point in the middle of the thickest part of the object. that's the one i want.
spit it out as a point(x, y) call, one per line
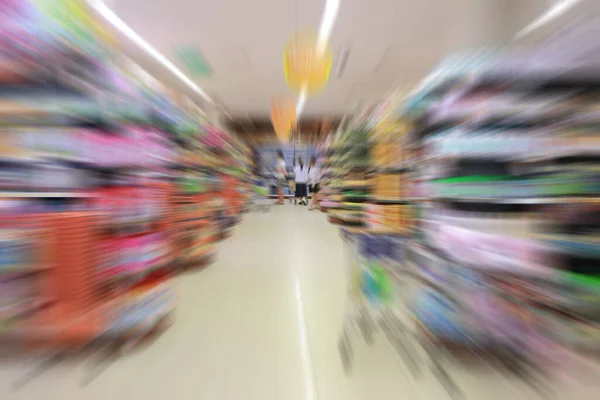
point(301, 174)
point(280, 172)
point(314, 179)
point(291, 180)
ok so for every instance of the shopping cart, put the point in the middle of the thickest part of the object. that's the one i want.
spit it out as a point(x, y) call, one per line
point(261, 201)
point(376, 293)
point(460, 312)
point(385, 297)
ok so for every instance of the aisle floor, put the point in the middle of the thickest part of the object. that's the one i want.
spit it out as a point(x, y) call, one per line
point(262, 322)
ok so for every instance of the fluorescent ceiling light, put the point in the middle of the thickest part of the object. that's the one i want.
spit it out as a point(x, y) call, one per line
point(122, 27)
point(327, 21)
point(330, 13)
point(301, 101)
point(561, 7)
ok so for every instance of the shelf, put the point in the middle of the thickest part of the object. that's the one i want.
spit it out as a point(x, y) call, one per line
point(529, 200)
point(45, 195)
point(393, 170)
point(14, 269)
point(378, 231)
point(109, 277)
point(382, 201)
point(537, 272)
point(352, 187)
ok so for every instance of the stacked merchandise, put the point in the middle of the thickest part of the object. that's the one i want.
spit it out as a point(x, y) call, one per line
point(329, 195)
point(86, 154)
point(195, 209)
point(21, 272)
point(241, 170)
point(231, 162)
point(390, 210)
point(348, 186)
point(211, 190)
point(366, 175)
point(507, 257)
point(132, 237)
point(197, 201)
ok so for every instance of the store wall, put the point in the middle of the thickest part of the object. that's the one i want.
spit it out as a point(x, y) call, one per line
point(491, 22)
point(521, 13)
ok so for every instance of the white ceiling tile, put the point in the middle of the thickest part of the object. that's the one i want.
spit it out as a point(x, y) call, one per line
point(390, 41)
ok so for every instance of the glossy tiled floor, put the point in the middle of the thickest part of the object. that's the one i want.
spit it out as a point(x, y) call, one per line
point(261, 323)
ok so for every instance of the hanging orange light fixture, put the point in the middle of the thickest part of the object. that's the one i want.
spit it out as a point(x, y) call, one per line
point(306, 67)
point(283, 117)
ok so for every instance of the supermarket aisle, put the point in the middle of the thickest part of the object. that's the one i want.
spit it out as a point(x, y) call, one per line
point(262, 322)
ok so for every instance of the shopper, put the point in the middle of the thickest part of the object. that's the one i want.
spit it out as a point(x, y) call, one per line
point(314, 179)
point(301, 173)
point(280, 171)
point(291, 180)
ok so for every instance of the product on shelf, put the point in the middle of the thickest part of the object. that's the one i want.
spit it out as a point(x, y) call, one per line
point(489, 186)
point(506, 254)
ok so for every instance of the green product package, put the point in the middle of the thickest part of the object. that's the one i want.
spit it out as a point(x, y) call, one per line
point(384, 283)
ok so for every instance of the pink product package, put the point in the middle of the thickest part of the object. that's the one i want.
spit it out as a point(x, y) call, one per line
point(165, 151)
point(107, 150)
point(137, 254)
point(139, 147)
point(130, 248)
point(122, 84)
point(151, 143)
point(104, 150)
point(214, 138)
point(155, 250)
point(92, 145)
point(15, 10)
point(490, 251)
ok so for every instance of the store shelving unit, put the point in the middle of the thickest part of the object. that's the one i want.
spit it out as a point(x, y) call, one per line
point(104, 173)
point(346, 186)
point(390, 210)
point(366, 175)
point(211, 192)
point(501, 259)
point(94, 194)
point(508, 217)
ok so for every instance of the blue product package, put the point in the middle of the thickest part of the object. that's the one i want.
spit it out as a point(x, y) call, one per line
point(369, 285)
point(438, 314)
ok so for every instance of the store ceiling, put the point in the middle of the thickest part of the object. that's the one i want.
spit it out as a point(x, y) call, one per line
point(393, 44)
